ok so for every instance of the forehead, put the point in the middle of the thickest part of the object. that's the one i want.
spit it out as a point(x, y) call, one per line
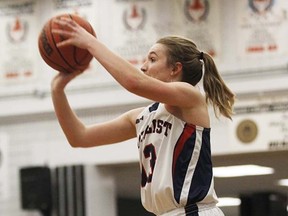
point(158, 49)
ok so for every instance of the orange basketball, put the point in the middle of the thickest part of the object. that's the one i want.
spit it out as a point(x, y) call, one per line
point(68, 58)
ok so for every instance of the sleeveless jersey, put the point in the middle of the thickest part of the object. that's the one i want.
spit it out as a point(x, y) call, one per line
point(175, 163)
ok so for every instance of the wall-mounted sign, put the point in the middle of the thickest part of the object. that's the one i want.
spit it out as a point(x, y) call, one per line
point(260, 127)
point(247, 131)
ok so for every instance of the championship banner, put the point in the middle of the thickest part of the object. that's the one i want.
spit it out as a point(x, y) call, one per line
point(128, 25)
point(17, 39)
point(168, 22)
point(200, 21)
point(262, 29)
point(257, 128)
point(4, 185)
point(82, 8)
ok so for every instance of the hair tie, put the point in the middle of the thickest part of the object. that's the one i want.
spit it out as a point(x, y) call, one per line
point(201, 56)
point(200, 84)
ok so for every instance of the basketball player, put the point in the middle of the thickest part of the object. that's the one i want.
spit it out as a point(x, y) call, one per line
point(173, 133)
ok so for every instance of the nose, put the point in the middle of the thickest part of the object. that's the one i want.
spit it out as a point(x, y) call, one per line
point(143, 67)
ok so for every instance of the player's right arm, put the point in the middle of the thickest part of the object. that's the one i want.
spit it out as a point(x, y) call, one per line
point(80, 135)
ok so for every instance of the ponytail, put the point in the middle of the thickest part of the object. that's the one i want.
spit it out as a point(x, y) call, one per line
point(185, 51)
point(217, 92)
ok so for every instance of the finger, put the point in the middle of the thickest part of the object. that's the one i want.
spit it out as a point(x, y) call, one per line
point(62, 32)
point(62, 24)
point(64, 43)
point(65, 22)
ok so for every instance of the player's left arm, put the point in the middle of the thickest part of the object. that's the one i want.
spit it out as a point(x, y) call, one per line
point(131, 78)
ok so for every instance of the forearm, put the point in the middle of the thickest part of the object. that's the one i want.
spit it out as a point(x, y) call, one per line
point(122, 71)
point(72, 127)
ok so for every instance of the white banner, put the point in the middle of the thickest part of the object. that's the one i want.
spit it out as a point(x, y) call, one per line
point(129, 26)
point(18, 41)
point(262, 29)
point(200, 21)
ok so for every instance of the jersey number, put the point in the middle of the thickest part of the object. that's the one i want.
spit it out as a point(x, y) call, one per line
point(149, 152)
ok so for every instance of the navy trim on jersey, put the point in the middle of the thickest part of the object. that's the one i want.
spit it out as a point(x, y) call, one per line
point(203, 171)
point(182, 155)
point(181, 158)
point(191, 210)
point(153, 107)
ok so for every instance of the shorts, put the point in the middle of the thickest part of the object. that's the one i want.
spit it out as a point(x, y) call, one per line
point(203, 211)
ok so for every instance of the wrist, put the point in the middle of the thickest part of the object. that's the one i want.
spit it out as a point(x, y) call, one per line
point(57, 89)
point(91, 44)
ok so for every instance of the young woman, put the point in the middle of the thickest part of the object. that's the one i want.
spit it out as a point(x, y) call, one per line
point(173, 133)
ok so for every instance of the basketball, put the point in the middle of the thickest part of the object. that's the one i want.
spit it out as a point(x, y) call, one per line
point(67, 58)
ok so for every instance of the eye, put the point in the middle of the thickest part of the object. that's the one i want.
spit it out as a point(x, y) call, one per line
point(152, 59)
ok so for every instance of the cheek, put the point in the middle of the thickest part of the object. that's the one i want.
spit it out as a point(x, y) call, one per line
point(152, 71)
point(162, 75)
point(158, 72)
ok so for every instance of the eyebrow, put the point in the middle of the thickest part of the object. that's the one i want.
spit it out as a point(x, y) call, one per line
point(153, 52)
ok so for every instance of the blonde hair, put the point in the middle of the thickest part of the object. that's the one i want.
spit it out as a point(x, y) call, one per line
point(183, 50)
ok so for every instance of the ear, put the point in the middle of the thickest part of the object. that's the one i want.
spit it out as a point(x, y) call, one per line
point(177, 69)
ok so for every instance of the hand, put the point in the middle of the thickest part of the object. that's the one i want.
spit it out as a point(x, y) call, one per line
point(75, 34)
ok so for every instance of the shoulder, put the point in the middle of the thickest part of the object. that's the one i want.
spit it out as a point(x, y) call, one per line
point(187, 95)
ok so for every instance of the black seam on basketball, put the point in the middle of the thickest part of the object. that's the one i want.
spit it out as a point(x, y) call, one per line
point(58, 51)
point(47, 57)
point(80, 62)
point(54, 66)
point(41, 47)
point(52, 62)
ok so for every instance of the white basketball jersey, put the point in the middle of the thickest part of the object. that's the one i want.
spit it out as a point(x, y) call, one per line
point(175, 162)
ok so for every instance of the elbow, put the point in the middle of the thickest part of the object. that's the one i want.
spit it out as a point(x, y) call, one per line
point(77, 136)
point(75, 144)
point(76, 141)
point(81, 141)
